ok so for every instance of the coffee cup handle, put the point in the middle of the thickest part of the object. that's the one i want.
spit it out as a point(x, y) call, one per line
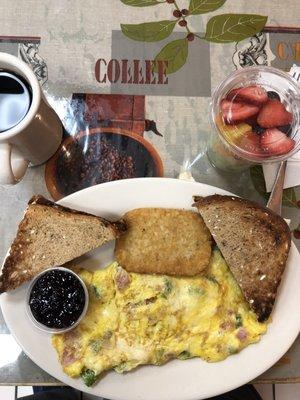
point(13, 165)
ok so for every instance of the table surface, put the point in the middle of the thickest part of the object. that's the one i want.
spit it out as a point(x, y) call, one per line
point(70, 42)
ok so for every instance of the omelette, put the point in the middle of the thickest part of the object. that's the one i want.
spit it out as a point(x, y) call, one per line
point(136, 319)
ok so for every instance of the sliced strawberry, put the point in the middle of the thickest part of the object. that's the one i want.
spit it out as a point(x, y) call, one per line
point(232, 94)
point(237, 112)
point(250, 142)
point(275, 143)
point(249, 94)
point(273, 114)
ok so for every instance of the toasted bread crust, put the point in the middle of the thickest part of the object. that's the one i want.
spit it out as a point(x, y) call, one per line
point(21, 263)
point(255, 243)
point(118, 226)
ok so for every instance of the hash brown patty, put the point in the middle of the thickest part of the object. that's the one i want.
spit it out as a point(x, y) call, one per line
point(164, 241)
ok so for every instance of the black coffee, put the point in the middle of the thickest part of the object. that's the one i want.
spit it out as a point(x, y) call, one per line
point(15, 99)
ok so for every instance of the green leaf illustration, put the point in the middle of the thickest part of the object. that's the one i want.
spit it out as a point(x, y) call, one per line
point(149, 31)
point(204, 6)
point(175, 53)
point(226, 28)
point(257, 177)
point(289, 198)
point(141, 3)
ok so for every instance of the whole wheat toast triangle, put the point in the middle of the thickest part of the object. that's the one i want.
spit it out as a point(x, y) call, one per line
point(255, 243)
point(51, 235)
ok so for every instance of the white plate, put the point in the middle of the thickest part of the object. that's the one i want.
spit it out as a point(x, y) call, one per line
point(176, 380)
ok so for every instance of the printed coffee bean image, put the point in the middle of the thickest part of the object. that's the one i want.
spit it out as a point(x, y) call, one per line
point(100, 158)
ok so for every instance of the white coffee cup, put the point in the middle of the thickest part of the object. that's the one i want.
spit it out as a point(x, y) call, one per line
point(36, 137)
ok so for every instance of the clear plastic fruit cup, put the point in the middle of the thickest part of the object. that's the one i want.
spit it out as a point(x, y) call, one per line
point(237, 140)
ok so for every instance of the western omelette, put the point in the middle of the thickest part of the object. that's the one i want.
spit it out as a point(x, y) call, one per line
point(136, 319)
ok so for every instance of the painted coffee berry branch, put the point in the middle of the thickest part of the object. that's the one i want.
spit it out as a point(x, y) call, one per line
point(223, 28)
point(182, 14)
